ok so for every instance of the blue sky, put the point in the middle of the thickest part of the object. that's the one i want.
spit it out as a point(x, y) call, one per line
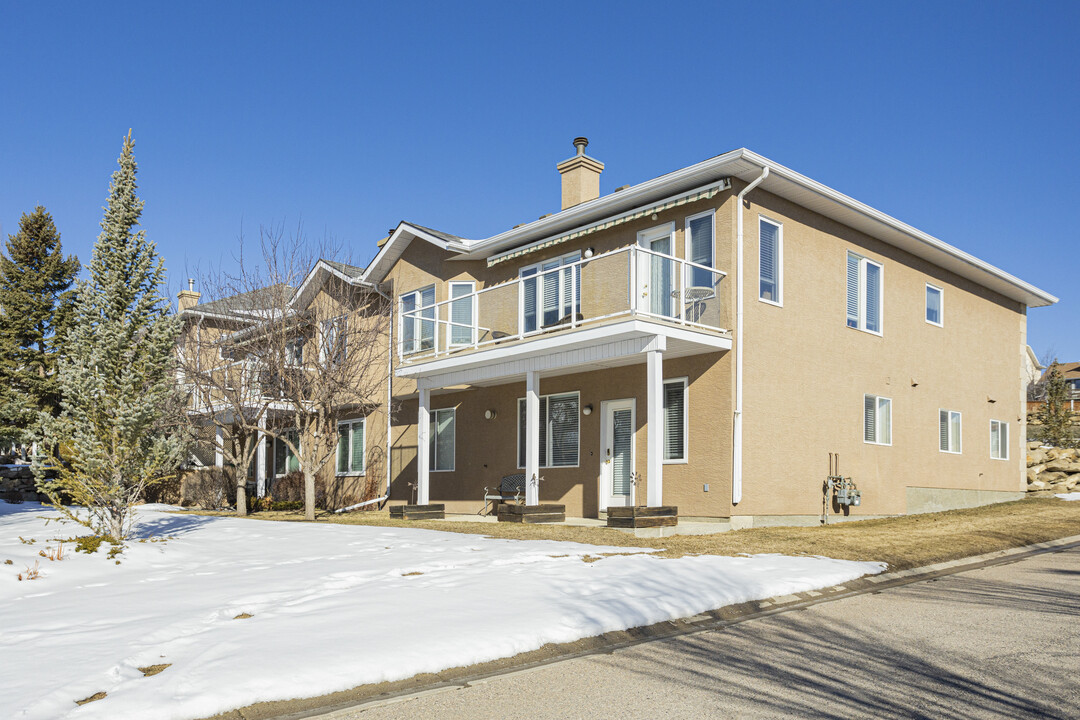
point(958, 118)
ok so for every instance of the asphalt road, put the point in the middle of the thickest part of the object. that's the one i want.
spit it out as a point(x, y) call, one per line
point(996, 642)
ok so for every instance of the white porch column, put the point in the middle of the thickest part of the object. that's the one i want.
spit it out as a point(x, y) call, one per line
point(655, 444)
point(260, 460)
point(423, 462)
point(219, 447)
point(532, 437)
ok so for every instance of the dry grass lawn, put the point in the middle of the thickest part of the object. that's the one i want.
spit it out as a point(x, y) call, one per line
point(902, 542)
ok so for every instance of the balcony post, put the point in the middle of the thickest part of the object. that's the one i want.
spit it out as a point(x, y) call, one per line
point(423, 421)
point(219, 446)
point(655, 443)
point(532, 437)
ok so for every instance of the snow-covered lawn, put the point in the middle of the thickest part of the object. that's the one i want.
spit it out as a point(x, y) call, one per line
point(1068, 496)
point(332, 607)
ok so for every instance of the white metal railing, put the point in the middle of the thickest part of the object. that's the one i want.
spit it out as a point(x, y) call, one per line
point(629, 281)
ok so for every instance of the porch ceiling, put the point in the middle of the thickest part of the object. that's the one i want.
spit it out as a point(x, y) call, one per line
point(623, 343)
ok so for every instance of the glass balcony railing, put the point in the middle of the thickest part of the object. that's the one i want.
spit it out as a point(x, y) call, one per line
point(628, 282)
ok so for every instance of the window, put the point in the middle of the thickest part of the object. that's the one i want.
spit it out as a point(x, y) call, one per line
point(549, 295)
point(656, 271)
point(285, 461)
point(771, 267)
point(999, 440)
point(700, 249)
point(558, 430)
point(877, 420)
point(350, 449)
point(934, 310)
point(949, 431)
point(334, 338)
point(675, 420)
point(418, 320)
point(863, 293)
point(462, 312)
point(441, 439)
point(294, 352)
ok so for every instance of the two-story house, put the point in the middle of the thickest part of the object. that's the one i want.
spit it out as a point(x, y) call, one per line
point(704, 339)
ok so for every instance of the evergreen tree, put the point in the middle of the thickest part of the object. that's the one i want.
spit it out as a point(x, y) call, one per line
point(1054, 416)
point(116, 373)
point(35, 303)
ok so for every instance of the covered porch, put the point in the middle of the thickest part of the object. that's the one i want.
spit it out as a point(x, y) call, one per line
point(584, 374)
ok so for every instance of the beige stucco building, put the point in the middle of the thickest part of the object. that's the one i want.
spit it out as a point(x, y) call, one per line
point(705, 339)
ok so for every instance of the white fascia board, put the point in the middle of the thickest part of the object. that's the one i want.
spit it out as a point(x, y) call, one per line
point(323, 266)
point(393, 248)
point(195, 312)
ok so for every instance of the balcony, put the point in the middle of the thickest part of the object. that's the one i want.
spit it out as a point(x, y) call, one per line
point(561, 297)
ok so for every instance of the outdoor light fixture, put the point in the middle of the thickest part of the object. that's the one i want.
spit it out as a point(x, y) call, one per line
point(587, 410)
point(655, 217)
point(490, 414)
point(589, 253)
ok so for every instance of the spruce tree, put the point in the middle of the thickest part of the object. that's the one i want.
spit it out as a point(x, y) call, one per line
point(35, 303)
point(1054, 416)
point(116, 373)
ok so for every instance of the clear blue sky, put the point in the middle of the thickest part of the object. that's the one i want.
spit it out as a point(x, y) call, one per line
point(959, 118)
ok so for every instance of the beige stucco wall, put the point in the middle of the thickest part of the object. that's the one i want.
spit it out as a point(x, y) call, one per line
point(806, 373)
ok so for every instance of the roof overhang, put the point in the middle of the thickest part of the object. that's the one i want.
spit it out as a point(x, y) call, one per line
point(316, 279)
point(395, 246)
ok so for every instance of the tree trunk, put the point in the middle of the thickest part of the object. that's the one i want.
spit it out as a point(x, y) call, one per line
point(241, 494)
point(309, 495)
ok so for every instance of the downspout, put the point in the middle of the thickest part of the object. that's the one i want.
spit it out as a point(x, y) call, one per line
point(736, 450)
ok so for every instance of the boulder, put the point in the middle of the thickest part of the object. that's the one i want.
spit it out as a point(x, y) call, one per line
point(1037, 486)
point(1067, 466)
point(1051, 477)
point(1032, 475)
point(1073, 480)
point(1034, 445)
point(1037, 468)
point(1036, 457)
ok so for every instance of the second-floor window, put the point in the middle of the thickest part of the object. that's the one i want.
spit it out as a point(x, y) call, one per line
point(700, 249)
point(934, 309)
point(418, 320)
point(549, 295)
point(462, 312)
point(294, 352)
point(864, 288)
point(771, 248)
point(334, 339)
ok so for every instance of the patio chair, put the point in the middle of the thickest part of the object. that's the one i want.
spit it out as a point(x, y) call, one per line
point(510, 488)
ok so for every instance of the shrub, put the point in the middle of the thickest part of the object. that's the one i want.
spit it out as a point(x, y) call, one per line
point(290, 489)
point(167, 491)
point(208, 488)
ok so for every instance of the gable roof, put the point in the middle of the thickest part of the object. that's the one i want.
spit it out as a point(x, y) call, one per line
point(242, 306)
point(746, 166)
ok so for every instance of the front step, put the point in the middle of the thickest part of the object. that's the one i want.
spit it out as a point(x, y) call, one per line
point(532, 513)
point(418, 512)
point(642, 517)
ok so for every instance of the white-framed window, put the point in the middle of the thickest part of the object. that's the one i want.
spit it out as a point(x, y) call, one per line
point(999, 440)
point(285, 461)
point(770, 261)
point(864, 293)
point(676, 421)
point(350, 450)
point(418, 320)
point(949, 431)
point(877, 420)
point(549, 295)
point(334, 340)
point(559, 430)
point(700, 247)
point(462, 312)
point(294, 352)
point(441, 439)
point(935, 305)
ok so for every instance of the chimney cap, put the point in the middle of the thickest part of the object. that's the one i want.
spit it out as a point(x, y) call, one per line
point(191, 284)
point(581, 143)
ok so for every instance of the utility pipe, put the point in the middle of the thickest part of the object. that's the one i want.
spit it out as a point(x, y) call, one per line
point(359, 505)
point(736, 451)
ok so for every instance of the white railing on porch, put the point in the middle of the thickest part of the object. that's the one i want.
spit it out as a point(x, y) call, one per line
point(631, 281)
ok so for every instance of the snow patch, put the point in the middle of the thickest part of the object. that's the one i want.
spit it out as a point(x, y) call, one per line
point(1068, 496)
point(331, 607)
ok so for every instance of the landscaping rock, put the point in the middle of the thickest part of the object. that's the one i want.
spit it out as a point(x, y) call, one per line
point(1036, 457)
point(1051, 477)
point(1037, 486)
point(1034, 445)
point(1063, 466)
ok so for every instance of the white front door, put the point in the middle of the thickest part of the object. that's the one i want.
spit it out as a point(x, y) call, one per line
point(656, 273)
point(617, 459)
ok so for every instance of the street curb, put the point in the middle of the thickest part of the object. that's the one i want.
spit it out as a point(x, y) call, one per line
point(704, 622)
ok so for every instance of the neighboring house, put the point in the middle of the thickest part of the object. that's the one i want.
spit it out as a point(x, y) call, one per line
point(705, 339)
point(1032, 369)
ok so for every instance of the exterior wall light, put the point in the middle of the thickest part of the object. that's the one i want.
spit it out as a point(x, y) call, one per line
point(587, 410)
point(490, 414)
point(589, 252)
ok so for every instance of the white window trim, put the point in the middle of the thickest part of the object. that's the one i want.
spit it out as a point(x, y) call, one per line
point(686, 420)
point(687, 235)
point(863, 262)
point(363, 457)
point(517, 446)
point(450, 312)
point(779, 261)
point(333, 322)
point(649, 235)
point(948, 425)
point(1004, 445)
point(566, 259)
point(433, 460)
point(941, 306)
point(416, 320)
point(877, 420)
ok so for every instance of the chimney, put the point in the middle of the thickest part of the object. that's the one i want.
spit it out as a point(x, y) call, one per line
point(186, 299)
point(580, 176)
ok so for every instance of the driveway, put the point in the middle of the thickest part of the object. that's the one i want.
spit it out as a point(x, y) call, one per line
point(996, 642)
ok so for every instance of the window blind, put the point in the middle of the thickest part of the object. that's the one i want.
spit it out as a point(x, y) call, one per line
point(701, 250)
point(427, 325)
point(343, 448)
point(563, 417)
point(869, 418)
point(943, 430)
point(675, 421)
point(357, 459)
point(873, 297)
point(933, 305)
point(853, 290)
point(621, 451)
point(461, 314)
point(769, 267)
